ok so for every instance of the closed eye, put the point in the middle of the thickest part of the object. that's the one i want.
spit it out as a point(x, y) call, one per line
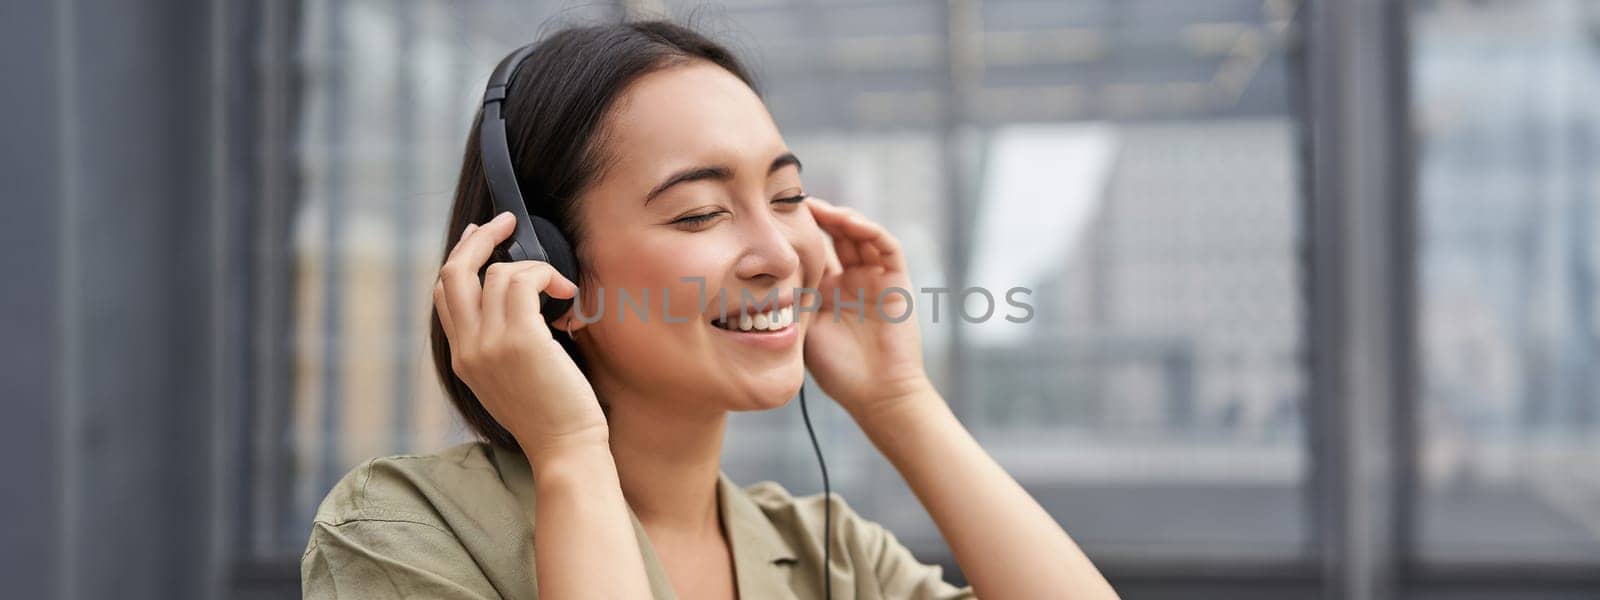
point(691, 221)
point(698, 219)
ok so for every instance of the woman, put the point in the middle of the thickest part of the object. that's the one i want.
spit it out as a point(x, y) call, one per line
point(648, 147)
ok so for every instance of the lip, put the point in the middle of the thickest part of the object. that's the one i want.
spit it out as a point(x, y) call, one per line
point(766, 340)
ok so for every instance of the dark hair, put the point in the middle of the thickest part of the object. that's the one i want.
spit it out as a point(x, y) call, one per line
point(555, 111)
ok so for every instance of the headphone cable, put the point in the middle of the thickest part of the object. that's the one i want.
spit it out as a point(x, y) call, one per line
point(827, 504)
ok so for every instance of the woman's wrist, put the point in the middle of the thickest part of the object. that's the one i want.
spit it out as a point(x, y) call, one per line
point(548, 451)
point(896, 402)
point(911, 429)
point(573, 469)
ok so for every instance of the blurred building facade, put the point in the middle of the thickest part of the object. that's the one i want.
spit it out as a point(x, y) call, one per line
point(1511, 313)
point(1164, 356)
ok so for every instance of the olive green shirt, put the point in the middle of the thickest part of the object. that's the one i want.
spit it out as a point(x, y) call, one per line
point(459, 524)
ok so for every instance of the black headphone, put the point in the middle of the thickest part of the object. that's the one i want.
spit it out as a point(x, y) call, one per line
point(535, 237)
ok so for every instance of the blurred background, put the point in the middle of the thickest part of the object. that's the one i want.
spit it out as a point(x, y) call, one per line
point(1316, 282)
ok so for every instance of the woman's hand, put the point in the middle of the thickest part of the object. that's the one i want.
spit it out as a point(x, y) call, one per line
point(874, 369)
point(501, 348)
point(859, 354)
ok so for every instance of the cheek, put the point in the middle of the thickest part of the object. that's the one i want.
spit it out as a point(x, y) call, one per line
point(660, 264)
point(658, 280)
point(634, 336)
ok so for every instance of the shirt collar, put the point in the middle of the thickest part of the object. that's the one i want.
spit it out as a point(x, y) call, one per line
point(762, 558)
point(753, 534)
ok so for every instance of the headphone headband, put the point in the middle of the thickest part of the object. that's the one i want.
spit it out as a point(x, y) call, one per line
point(498, 169)
point(535, 238)
point(500, 79)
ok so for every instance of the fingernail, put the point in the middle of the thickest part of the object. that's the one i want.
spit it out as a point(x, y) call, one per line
point(503, 216)
point(466, 230)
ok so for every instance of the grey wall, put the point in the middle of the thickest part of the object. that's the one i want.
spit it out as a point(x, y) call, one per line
point(28, 298)
point(107, 348)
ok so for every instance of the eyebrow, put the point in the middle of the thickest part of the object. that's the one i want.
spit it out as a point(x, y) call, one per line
point(717, 173)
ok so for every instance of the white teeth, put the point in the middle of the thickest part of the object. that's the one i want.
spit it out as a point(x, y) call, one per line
point(772, 320)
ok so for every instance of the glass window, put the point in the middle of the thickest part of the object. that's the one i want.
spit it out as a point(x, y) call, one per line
point(1510, 262)
point(389, 92)
point(1138, 175)
point(1132, 164)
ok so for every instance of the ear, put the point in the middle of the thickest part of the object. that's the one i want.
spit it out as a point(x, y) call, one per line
point(569, 322)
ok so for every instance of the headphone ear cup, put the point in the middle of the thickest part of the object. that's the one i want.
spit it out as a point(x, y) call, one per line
point(562, 258)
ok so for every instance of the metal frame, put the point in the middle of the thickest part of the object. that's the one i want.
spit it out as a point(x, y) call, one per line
point(264, 459)
point(1360, 276)
point(963, 23)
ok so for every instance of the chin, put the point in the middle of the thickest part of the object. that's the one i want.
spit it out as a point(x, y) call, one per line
point(767, 395)
point(759, 389)
point(761, 404)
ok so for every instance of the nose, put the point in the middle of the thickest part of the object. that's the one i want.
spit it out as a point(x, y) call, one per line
point(770, 255)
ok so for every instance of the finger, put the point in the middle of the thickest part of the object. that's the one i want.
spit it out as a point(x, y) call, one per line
point(825, 290)
point(846, 250)
point(560, 286)
point(818, 203)
point(823, 210)
point(869, 254)
point(464, 233)
point(874, 244)
point(495, 280)
point(843, 221)
point(860, 227)
point(832, 264)
point(440, 306)
point(460, 271)
point(443, 310)
point(522, 296)
point(838, 238)
point(885, 248)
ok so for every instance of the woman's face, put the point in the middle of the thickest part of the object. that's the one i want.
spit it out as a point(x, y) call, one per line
point(701, 196)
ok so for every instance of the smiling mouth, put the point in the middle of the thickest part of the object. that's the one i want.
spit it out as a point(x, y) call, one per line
point(773, 320)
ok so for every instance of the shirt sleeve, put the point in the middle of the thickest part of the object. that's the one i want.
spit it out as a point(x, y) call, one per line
point(380, 558)
point(901, 575)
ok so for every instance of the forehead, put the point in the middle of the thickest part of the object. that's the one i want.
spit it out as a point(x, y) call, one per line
point(692, 114)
